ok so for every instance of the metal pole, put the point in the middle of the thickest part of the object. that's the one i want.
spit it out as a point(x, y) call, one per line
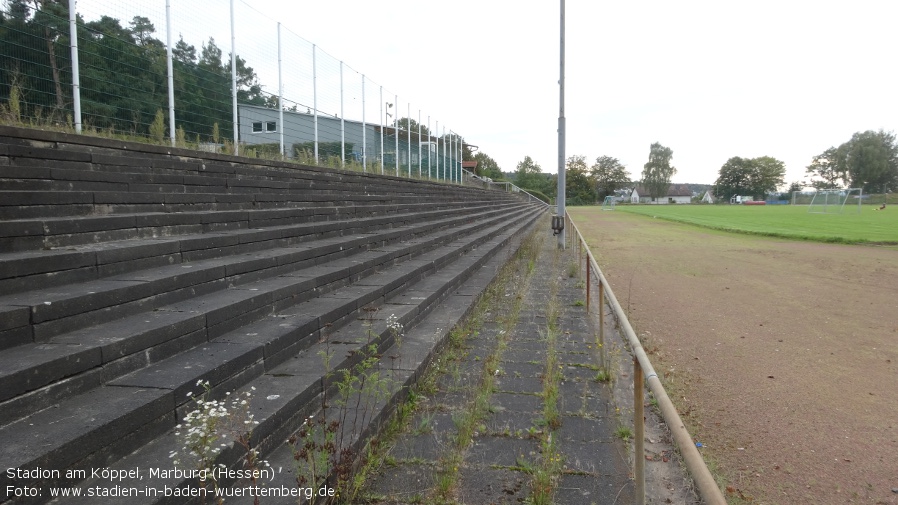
point(420, 161)
point(281, 95)
point(364, 131)
point(384, 119)
point(561, 124)
point(76, 76)
point(438, 150)
point(315, 98)
point(456, 164)
point(342, 122)
point(234, 84)
point(429, 149)
point(458, 159)
point(396, 133)
point(169, 68)
point(449, 153)
point(639, 431)
point(408, 149)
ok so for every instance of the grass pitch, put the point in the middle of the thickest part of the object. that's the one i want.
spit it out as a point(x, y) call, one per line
point(785, 221)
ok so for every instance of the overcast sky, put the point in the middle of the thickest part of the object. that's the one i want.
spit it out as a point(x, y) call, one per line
point(708, 79)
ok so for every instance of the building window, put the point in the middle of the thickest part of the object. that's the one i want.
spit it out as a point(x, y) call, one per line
point(265, 127)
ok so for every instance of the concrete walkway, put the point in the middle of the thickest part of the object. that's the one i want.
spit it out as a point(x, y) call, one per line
point(518, 442)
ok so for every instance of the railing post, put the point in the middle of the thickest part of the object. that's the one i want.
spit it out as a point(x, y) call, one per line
point(579, 255)
point(588, 283)
point(639, 431)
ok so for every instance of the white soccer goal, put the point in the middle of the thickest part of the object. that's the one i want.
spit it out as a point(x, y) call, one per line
point(836, 201)
point(609, 203)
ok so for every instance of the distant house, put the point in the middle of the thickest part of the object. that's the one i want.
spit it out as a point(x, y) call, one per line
point(676, 193)
point(708, 197)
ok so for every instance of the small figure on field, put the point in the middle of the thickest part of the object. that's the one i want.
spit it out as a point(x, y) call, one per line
point(882, 207)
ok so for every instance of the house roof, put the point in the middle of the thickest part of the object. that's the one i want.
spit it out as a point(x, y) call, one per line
point(469, 164)
point(673, 190)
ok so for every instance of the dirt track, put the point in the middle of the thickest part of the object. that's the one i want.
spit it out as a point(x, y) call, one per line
point(781, 356)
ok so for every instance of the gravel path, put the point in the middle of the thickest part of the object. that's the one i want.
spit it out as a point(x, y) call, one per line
point(781, 356)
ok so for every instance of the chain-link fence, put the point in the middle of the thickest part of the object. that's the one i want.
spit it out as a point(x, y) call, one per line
point(162, 72)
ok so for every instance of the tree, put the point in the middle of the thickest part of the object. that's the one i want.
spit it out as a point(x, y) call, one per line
point(528, 172)
point(827, 170)
point(871, 161)
point(528, 175)
point(578, 188)
point(487, 167)
point(142, 29)
point(406, 123)
point(608, 175)
point(657, 172)
point(734, 178)
point(770, 174)
point(744, 176)
point(184, 52)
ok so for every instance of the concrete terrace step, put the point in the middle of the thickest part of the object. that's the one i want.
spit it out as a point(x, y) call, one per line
point(240, 357)
point(25, 270)
point(43, 204)
point(43, 373)
point(287, 393)
point(52, 311)
point(128, 272)
point(56, 232)
point(63, 321)
point(32, 169)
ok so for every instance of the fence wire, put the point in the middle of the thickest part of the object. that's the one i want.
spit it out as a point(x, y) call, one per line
point(293, 99)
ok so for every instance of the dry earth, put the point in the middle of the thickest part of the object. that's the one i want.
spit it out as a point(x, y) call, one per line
point(782, 356)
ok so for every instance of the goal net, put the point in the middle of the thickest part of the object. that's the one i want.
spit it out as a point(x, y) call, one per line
point(609, 203)
point(836, 201)
point(802, 197)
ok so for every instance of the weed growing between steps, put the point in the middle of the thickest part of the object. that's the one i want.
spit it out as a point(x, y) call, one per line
point(547, 470)
point(323, 452)
point(516, 275)
point(214, 425)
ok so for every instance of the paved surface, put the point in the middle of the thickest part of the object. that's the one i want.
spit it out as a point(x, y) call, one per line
point(507, 443)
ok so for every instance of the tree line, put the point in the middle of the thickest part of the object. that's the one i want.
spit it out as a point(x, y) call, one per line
point(123, 77)
point(869, 160)
point(122, 71)
point(587, 184)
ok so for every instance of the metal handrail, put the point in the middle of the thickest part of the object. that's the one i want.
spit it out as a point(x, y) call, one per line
point(516, 189)
point(704, 481)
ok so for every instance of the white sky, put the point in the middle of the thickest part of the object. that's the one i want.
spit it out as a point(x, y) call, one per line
point(709, 79)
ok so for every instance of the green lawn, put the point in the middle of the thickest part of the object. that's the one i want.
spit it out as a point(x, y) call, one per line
point(870, 226)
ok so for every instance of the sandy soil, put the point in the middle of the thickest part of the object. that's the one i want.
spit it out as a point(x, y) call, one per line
point(781, 356)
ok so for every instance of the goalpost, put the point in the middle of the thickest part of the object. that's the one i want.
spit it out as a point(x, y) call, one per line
point(836, 201)
point(609, 203)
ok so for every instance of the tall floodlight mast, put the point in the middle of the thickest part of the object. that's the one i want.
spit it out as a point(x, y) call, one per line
point(561, 175)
